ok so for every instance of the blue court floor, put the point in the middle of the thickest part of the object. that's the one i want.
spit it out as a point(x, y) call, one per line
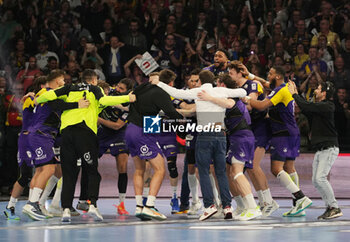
point(179, 227)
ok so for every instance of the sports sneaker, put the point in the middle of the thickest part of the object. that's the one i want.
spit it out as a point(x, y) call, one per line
point(83, 206)
point(249, 214)
point(45, 212)
point(10, 214)
point(74, 212)
point(95, 213)
point(121, 209)
point(55, 211)
point(33, 211)
point(288, 213)
point(139, 214)
point(183, 209)
point(237, 212)
point(208, 212)
point(330, 213)
point(66, 218)
point(153, 213)
point(301, 205)
point(228, 212)
point(269, 208)
point(174, 203)
point(195, 208)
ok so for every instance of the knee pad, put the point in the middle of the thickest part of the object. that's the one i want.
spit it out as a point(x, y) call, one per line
point(172, 167)
point(24, 179)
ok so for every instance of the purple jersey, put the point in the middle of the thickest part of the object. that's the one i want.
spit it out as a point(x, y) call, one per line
point(253, 87)
point(282, 113)
point(45, 120)
point(27, 113)
point(237, 117)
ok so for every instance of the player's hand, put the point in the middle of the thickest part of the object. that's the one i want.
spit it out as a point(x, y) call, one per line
point(132, 97)
point(154, 80)
point(244, 69)
point(246, 99)
point(83, 103)
point(204, 96)
point(292, 87)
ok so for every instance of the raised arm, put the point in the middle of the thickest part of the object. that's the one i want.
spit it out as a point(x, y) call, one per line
point(179, 93)
point(222, 102)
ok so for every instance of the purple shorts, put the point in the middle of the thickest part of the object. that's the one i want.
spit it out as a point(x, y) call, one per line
point(145, 146)
point(285, 147)
point(262, 132)
point(42, 148)
point(168, 144)
point(191, 141)
point(115, 143)
point(241, 148)
point(24, 154)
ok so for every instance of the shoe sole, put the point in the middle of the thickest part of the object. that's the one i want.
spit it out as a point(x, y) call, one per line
point(140, 216)
point(332, 217)
point(208, 216)
point(96, 218)
point(182, 212)
point(254, 217)
point(228, 216)
point(154, 217)
point(30, 215)
point(301, 209)
point(66, 220)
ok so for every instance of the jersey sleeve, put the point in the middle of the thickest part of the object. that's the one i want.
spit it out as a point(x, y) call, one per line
point(276, 96)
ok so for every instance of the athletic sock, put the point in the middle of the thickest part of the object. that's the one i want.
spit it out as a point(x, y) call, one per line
point(48, 189)
point(261, 198)
point(267, 196)
point(250, 201)
point(122, 197)
point(150, 201)
point(295, 178)
point(30, 193)
point(12, 202)
point(139, 200)
point(193, 184)
point(174, 188)
point(239, 202)
point(287, 182)
point(57, 197)
point(36, 194)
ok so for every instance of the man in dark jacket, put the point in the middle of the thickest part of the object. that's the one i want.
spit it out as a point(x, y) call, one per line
point(324, 141)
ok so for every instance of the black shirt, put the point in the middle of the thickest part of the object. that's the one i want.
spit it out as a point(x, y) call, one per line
point(321, 119)
point(150, 99)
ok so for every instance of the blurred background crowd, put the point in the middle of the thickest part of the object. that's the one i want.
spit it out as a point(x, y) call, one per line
point(309, 38)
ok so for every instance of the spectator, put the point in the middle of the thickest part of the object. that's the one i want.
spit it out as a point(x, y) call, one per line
point(29, 73)
point(332, 38)
point(300, 57)
point(135, 38)
point(43, 55)
point(311, 83)
point(114, 55)
point(52, 64)
point(342, 118)
point(313, 64)
point(340, 76)
point(133, 72)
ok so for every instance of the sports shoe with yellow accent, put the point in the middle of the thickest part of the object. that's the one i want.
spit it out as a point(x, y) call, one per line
point(288, 213)
point(249, 214)
point(269, 208)
point(121, 209)
point(153, 213)
point(301, 205)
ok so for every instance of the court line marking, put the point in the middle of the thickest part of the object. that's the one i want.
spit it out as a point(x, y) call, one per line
point(245, 225)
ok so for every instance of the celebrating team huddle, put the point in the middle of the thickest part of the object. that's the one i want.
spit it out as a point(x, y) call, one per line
point(66, 128)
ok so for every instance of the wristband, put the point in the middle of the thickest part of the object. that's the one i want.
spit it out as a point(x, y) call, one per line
point(251, 76)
